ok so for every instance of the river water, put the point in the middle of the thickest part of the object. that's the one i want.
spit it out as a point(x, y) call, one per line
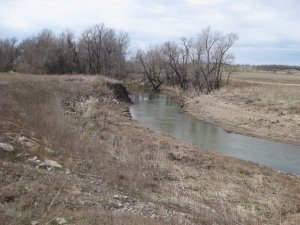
point(160, 112)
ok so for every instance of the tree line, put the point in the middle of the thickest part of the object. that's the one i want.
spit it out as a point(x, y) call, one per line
point(199, 63)
point(97, 50)
point(275, 68)
point(202, 62)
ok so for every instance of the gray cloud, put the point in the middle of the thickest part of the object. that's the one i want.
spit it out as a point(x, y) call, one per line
point(268, 30)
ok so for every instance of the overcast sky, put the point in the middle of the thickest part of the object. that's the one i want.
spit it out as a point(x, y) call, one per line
point(268, 30)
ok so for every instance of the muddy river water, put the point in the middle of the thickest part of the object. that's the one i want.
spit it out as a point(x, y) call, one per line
point(161, 112)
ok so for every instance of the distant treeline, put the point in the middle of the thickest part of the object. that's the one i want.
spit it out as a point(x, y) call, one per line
point(98, 50)
point(277, 67)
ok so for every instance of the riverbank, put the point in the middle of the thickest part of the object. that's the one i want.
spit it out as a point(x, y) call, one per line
point(161, 112)
point(251, 106)
point(70, 152)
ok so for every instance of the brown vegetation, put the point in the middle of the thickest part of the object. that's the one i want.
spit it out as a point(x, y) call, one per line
point(98, 50)
point(259, 104)
point(115, 171)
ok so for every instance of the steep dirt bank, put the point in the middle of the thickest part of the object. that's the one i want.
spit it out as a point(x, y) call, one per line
point(112, 170)
point(246, 115)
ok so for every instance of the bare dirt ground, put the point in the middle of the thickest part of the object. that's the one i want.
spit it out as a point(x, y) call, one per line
point(262, 105)
point(70, 154)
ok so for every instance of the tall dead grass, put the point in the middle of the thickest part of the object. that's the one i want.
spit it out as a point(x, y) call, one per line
point(279, 78)
point(275, 96)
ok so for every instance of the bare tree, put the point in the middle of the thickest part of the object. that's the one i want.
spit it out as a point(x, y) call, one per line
point(72, 47)
point(229, 70)
point(8, 52)
point(209, 55)
point(35, 52)
point(176, 60)
point(224, 57)
point(102, 50)
point(122, 45)
point(63, 57)
point(204, 60)
point(90, 50)
point(151, 63)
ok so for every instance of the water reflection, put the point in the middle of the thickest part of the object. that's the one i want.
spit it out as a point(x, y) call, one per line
point(160, 112)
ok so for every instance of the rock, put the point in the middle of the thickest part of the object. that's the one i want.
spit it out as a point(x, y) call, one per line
point(115, 101)
point(116, 205)
point(22, 139)
point(34, 222)
point(33, 159)
point(26, 141)
point(52, 163)
point(49, 169)
point(7, 147)
point(60, 220)
point(22, 154)
point(49, 150)
point(68, 171)
point(120, 197)
point(42, 164)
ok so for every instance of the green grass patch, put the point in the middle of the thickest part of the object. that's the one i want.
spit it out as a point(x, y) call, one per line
point(11, 73)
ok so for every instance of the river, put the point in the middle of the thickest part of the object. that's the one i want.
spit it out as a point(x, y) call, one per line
point(160, 112)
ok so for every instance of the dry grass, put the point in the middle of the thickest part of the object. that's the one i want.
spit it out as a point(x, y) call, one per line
point(275, 97)
point(276, 91)
point(164, 181)
point(280, 78)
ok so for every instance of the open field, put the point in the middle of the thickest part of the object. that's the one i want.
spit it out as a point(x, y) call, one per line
point(116, 171)
point(268, 77)
point(263, 105)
